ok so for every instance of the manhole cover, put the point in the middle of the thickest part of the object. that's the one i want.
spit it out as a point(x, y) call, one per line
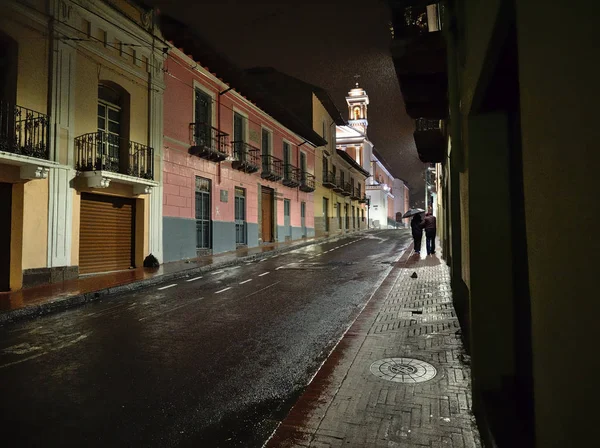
point(403, 370)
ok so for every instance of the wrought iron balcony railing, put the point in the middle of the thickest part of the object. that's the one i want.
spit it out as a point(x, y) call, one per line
point(329, 180)
point(99, 151)
point(141, 161)
point(428, 124)
point(246, 157)
point(272, 168)
point(23, 131)
point(430, 139)
point(208, 142)
point(417, 19)
point(338, 187)
point(307, 182)
point(355, 195)
point(347, 191)
point(363, 199)
point(291, 175)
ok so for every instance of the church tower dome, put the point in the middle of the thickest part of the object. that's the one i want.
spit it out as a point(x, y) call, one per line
point(358, 100)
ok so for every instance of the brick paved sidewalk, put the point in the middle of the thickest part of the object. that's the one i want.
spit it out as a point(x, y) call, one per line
point(348, 406)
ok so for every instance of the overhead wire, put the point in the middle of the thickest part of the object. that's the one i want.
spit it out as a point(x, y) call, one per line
point(150, 44)
point(166, 47)
point(107, 67)
point(194, 70)
point(165, 70)
point(89, 38)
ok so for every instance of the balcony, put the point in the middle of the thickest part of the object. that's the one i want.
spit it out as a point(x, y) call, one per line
point(272, 168)
point(102, 158)
point(329, 180)
point(410, 20)
point(338, 187)
point(355, 195)
point(246, 157)
point(99, 151)
point(430, 140)
point(363, 199)
point(23, 131)
point(291, 176)
point(347, 191)
point(307, 182)
point(208, 143)
point(419, 55)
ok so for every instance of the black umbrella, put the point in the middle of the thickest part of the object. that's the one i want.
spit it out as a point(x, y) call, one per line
point(412, 212)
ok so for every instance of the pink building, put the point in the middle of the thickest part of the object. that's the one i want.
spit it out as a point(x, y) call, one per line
point(233, 174)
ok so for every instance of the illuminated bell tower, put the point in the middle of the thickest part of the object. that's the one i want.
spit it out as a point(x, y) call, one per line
point(358, 100)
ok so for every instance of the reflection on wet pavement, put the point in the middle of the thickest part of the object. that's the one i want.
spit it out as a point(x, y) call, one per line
point(214, 361)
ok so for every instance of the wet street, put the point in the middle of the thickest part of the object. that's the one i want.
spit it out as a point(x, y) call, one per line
point(210, 361)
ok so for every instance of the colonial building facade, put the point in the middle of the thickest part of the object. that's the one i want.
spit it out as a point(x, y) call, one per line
point(239, 166)
point(234, 175)
point(80, 123)
point(339, 199)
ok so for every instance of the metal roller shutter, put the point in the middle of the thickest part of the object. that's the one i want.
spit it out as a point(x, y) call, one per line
point(105, 233)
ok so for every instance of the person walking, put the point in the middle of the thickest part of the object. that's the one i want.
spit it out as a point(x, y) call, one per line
point(430, 225)
point(416, 225)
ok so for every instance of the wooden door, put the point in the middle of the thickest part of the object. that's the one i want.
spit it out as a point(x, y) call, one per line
point(5, 226)
point(267, 214)
point(106, 233)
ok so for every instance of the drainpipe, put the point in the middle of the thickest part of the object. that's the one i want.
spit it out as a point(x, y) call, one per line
point(219, 127)
point(52, 62)
point(149, 136)
point(299, 167)
point(219, 130)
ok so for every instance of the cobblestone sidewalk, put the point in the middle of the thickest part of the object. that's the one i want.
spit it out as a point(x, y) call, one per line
point(351, 404)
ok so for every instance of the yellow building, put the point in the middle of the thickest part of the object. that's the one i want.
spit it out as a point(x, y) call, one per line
point(340, 180)
point(80, 138)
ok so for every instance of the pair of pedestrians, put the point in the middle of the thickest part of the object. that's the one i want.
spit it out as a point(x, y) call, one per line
point(428, 224)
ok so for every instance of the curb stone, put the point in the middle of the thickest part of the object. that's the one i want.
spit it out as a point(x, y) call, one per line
point(64, 303)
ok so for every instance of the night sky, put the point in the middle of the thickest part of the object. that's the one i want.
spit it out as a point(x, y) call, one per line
point(325, 43)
